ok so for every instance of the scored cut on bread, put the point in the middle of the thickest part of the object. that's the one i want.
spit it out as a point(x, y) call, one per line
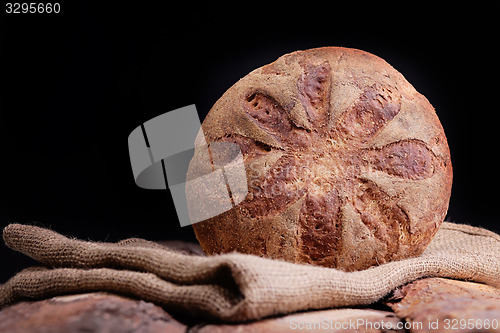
point(347, 164)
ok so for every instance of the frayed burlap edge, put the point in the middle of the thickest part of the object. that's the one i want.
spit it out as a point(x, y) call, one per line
point(234, 287)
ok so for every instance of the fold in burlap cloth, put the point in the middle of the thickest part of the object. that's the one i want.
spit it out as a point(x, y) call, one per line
point(233, 287)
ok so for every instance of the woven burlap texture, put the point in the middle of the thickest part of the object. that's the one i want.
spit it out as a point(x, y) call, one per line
point(233, 287)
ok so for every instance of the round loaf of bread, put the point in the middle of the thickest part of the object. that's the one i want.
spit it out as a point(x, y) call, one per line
point(347, 164)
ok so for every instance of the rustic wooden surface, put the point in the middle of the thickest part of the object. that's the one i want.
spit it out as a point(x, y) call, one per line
point(93, 312)
point(333, 320)
point(426, 305)
point(445, 305)
point(422, 306)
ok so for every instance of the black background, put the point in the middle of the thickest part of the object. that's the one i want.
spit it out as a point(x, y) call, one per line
point(75, 84)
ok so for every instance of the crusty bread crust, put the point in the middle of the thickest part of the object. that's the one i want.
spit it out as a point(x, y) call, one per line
point(347, 164)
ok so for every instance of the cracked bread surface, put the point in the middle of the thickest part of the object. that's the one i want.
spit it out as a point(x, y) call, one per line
point(347, 164)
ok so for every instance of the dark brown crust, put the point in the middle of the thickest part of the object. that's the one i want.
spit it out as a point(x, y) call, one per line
point(410, 159)
point(332, 165)
point(91, 312)
point(374, 109)
point(446, 303)
point(314, 92)
point(267, 113)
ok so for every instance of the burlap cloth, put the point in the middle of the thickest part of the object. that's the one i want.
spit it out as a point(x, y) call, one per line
point(233, 287)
